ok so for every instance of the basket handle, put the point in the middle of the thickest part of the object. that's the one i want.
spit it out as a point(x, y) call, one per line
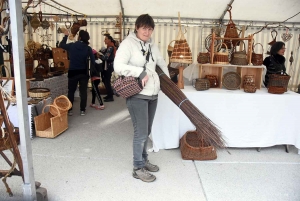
point(262, 47)
point(58, 112)
point(171, 42)
point(244, 49)
point(225, 46)
point(274, 31)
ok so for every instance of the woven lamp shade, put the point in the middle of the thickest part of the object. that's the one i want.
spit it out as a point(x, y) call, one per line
point(181, 52)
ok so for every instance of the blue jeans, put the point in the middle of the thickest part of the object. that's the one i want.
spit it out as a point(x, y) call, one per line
point(142, 113)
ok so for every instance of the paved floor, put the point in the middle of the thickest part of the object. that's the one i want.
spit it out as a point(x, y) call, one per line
point(92, 161)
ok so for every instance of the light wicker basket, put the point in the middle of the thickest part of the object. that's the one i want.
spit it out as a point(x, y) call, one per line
point(193, 147)
point(221, 57)
point(49, 126)
point(62, 103)
point(39, 93)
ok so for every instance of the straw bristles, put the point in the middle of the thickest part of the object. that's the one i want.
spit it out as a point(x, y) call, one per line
point(206, 128)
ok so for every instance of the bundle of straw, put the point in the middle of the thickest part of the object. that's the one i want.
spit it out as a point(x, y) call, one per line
point(205, 127)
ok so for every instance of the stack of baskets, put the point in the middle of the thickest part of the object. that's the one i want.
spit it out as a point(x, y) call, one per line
point(193, 147)
point(249, 84)
point(278, 83)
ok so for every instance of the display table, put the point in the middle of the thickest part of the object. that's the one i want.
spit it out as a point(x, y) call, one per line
point(33, 110)
point(58, 85)
point(245, 119)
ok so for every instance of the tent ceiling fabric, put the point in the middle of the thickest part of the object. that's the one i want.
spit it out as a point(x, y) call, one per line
point(254, 10)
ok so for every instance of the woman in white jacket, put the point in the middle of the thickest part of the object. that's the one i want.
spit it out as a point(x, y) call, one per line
point(138, 56)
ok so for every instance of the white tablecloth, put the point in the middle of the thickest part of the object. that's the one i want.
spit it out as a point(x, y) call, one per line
point(246, 120)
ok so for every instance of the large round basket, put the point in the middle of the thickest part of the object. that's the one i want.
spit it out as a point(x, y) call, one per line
point(193, 147)
point(38, 93)
point(62, 103)
point(232, 80)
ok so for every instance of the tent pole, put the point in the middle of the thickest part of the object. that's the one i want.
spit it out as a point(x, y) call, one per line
point(29, 191)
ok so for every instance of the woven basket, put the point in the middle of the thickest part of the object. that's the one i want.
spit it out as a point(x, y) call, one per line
point(39, 93)
point(221, 57)
point(249, 80)
point(48, 126)
point(276, 90)
point(213, 80)
point(181, 52)
point(61, 103)
point(250, 88)
point(201, 84)
point(279, 80)
point(239, 57)
point(257, 59)
point(231, 80)
point(193, 147)
point(203, 57)
point(5, 142)
point(231, 32)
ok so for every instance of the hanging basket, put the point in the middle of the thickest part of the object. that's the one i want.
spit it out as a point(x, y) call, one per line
point(170, 48)
point(257, 58)
point(193, 147)
point(181, 52)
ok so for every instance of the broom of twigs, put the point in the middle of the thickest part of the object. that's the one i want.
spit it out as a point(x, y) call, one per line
point(205, 127)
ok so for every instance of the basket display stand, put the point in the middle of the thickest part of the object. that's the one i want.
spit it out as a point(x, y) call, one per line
point(218, 69)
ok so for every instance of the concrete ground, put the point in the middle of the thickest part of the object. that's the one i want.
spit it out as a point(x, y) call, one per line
point(92, 161)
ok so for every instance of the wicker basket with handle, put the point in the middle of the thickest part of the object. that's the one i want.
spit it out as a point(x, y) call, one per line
point(48, 126)
point(257, 58)
point(279, 80)
point(201, 84)
point(62, 103)
point(193, 147)
point(239, 57)
point(221, 57)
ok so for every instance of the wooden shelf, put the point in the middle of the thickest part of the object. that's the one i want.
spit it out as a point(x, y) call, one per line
point(218, 70)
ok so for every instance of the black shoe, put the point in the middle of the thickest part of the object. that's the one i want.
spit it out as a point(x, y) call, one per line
point(105, 97)
point(109, 100)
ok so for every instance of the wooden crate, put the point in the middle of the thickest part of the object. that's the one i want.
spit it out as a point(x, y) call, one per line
point(251, 70)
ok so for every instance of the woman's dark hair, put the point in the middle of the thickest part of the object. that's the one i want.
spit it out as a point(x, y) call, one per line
point(111, 39)
point(84, 36)
point(276, 47)
point(144, 20)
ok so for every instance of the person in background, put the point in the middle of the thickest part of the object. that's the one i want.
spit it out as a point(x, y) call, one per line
point(275, 62)
point(108, 59)
point(95, 79)
point(78, 73)
point(138, 56)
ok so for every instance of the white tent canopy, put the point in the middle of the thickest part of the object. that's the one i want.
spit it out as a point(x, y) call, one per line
point(254, 10)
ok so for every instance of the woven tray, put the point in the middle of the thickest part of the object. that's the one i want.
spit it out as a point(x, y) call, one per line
point(232, 80)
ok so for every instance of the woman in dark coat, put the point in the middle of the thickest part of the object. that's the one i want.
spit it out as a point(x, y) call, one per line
point(275, 62)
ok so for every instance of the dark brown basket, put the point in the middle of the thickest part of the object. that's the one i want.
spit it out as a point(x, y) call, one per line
point(232, 80)
point(239, 57)
point(279, 80)
point(257, 59)
point(193, 147)
point(276, 90)
point(213, 80)
point(203, 57)
point(201, 84)
point(250, 88)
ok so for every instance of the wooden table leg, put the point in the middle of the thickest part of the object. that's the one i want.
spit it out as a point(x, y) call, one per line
point(180, 82)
